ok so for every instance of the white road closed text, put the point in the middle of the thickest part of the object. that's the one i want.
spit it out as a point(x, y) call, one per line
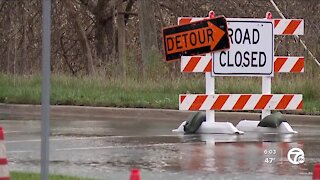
point(251, 51)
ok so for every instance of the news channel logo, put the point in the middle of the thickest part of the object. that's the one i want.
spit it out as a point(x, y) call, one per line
point(296, 156)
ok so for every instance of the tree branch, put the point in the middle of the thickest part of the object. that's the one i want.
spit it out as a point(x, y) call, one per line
point(129, 13)
point(128, 8)
point(89, 4)
point(165, 6)
point(65, 56)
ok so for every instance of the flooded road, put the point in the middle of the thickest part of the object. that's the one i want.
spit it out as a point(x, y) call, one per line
point(109, 149)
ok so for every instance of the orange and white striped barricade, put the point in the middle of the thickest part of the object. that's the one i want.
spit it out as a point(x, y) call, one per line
point(281, 26)
point(4, 170)
point(265, 101)
point(288, 26)
point(282, 64)
point(199, 102)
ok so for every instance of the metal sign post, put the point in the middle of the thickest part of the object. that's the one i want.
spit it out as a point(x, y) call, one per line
point(45, 99)
point(210, 84)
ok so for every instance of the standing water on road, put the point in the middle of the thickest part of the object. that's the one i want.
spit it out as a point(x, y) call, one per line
point(110, 149)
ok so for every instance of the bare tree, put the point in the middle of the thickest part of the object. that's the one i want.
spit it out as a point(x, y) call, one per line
point(82, 36)
point(91, 36)
point(105, 32)
point(147, 28)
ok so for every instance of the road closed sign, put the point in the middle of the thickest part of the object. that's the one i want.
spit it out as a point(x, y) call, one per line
point(251, 49)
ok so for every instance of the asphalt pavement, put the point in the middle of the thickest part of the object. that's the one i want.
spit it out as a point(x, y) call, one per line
point(109, 148)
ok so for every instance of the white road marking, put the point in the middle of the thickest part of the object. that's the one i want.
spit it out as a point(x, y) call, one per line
point(110, 147)
point(21, 141)
point(125, 146)
point(12, 152)
point(9, 132)
point(88, 138)
point(114, 147)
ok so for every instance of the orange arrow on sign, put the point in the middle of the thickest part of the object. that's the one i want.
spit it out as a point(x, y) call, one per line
point(196, 38)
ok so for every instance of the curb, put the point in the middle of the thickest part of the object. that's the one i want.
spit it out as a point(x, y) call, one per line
point(58, 112)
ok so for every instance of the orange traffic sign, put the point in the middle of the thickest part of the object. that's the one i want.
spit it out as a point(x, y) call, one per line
point(196, 38)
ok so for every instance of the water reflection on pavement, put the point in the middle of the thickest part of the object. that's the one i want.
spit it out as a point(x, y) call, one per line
point(109, 149)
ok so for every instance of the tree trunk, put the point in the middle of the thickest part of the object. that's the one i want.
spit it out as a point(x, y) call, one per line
point(111, 41)
point(9, 44)
point(147, 29)
point(82, 37)
point(100, 37)
point(105, 30)
point(100, 31)
point(24, 52)
point(122, 42)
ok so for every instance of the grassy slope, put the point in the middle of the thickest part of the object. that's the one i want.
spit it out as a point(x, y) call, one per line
point(34, 176)
point(154, 92)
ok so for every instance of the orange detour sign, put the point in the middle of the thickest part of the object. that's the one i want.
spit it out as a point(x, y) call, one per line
point(195, 38)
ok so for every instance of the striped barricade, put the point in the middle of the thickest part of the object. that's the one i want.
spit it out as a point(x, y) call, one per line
point(281, 26)
point(288, 26)
point(4, 170)
point(196, 64)
point(198, 102)
point(265, 101)
point(282, 64)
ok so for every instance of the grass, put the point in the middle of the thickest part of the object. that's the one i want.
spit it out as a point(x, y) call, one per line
point(94, 91)
point(152, 92)
point(34, 176)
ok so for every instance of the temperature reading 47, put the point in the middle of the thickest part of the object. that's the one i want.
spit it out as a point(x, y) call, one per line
point(269, 160)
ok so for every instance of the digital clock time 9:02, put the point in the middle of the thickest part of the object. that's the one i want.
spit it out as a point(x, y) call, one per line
point(270, 152)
